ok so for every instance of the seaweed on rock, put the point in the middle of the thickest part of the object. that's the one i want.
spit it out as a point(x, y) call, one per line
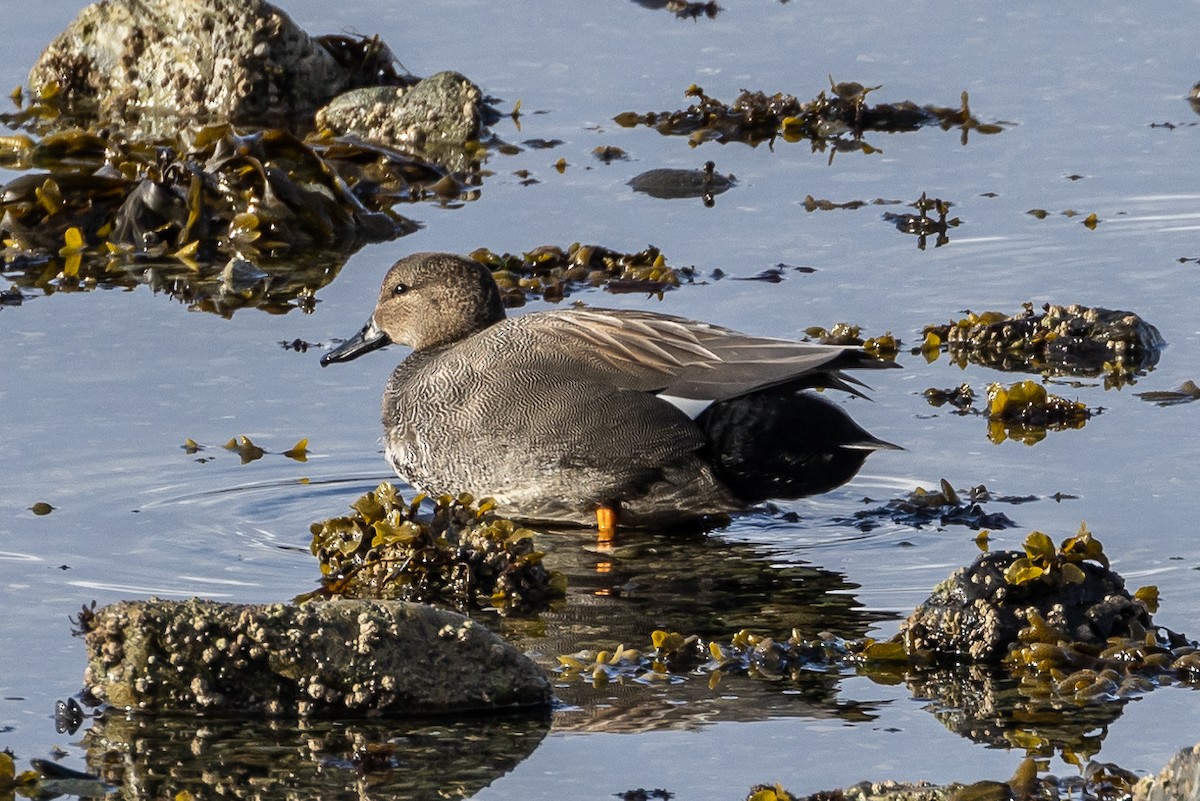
point(463, 556)
point(1070, 340)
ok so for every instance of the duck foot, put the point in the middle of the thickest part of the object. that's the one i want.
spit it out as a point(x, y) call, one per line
point(606, 525)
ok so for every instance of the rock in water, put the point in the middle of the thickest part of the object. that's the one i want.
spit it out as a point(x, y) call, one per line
point(340, 658)
point(242, 61)
point(977, 613)
point(443, 110)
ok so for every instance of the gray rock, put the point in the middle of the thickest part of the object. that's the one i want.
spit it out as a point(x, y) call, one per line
point(433, 118)
point(1179, 780)
point(669, 184)
point(148, 62)
point(342, 658)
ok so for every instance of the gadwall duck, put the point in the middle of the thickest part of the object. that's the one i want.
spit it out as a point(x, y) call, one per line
point(563, 415)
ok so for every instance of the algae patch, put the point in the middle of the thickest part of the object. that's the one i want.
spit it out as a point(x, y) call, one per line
point(463, 555)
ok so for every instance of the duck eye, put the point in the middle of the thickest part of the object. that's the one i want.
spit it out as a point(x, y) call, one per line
point(399, 289)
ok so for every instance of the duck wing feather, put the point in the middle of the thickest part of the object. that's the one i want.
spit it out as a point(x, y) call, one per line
point(676, 356)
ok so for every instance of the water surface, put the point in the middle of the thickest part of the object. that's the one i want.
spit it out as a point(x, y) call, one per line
point(100, 389)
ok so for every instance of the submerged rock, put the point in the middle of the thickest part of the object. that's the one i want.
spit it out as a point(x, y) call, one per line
point(152, 61)
point(668, 183)
point(340, 658)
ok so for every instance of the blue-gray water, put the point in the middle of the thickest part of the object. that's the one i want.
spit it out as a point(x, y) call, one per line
point(98, 390)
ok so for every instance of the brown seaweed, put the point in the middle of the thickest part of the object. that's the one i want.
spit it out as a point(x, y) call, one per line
point(835, 122)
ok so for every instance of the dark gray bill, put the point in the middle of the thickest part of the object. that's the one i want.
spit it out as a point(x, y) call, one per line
point(368, 339)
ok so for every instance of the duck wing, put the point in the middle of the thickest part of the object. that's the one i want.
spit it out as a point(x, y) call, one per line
point(680, 357)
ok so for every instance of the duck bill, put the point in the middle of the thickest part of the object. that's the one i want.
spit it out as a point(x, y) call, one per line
point(368, 339)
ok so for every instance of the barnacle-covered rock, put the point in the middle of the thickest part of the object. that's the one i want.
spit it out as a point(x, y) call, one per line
point(1004, 598)
point(437, 118)
point(1179, 780)
point(463, 556)
point(1061, 340)
point(144, 64)
point(340, 658)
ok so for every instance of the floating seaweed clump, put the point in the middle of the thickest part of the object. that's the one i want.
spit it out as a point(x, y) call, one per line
point(685, 9)
point(941, 507)
point(1098, 781)
point(1032, 649)
point(836, 121)
point(674, 657)
point(962, 397)
point(921, 225)
point(884, 347)
point(1061, 340)
point(838, 334)
point(463, 556)
point(1186, 393)
point(552, 273)
point(812, 204)
point(1025, 411)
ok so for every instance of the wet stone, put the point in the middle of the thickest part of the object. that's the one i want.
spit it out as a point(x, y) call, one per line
point(669, 183)
point(147, 62)
point(1179, 780)
point(436, 117)
point(333, 658)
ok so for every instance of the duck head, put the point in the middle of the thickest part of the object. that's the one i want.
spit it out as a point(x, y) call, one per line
point(427, 300)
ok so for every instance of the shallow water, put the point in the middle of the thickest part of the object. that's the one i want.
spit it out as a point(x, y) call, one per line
point(99, 389)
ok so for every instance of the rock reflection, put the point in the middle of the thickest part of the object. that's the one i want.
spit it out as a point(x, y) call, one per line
point(276, 287)
point(171, 757)
point(986, 705)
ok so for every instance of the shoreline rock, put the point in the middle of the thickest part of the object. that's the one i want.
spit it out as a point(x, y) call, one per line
point(244, 61)
point(343, 658)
